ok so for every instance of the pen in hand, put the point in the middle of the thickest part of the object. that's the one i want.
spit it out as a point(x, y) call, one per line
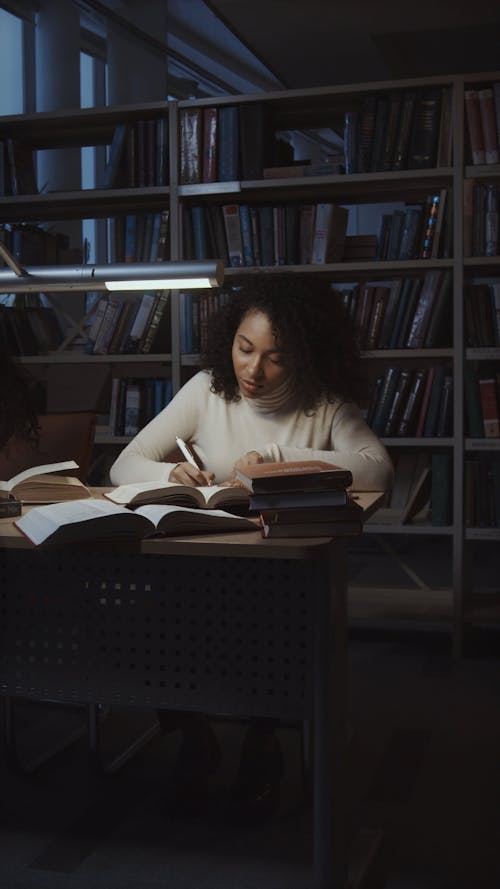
point(190, 454)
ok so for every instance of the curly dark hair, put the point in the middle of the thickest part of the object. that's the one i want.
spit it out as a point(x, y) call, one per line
point(311, 326)
point(17, 409)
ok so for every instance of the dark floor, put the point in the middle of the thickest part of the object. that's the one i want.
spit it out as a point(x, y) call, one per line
point(425, 769)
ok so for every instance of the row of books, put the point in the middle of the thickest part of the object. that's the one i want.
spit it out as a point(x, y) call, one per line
point(481, 236)
point(419, 231)
point(135, 401)
point(228, 143)
point(140, 237)
point(138, 155)
point(31, 330)
point(195, 309)
point(284, 234)
point(415, 403)
point(399, 130)
point(482, 113)
point(405, 313)
point(482, 314)
point(482, 401)
point(118, 325)
point(482, 492)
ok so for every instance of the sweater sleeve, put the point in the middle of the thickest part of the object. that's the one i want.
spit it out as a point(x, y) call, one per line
point(353, 446)
point(146, 458)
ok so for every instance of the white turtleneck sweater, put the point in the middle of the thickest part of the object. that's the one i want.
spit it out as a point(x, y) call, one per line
point(223, 431)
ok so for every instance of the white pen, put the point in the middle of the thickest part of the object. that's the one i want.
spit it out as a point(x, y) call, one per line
point(188, 452)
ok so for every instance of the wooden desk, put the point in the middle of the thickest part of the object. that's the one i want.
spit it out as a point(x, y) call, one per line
point(227, 623)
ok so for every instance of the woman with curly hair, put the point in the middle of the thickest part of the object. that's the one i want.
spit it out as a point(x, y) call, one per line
point(279, 381)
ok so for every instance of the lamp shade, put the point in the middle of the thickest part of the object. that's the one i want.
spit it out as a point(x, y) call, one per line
point(117, 276)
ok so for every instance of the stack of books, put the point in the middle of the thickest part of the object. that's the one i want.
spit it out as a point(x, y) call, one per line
point(306, 498)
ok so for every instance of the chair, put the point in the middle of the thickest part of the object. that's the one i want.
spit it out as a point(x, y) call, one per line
point(67, 436)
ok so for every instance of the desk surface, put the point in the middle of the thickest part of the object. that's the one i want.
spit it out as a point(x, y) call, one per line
point(242, 544)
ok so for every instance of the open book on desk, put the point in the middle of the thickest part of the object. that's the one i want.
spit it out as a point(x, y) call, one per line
point(99, 519)
point(204, 497)
point(39, 484)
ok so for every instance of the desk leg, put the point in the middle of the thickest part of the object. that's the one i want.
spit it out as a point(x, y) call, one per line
point(331, 679)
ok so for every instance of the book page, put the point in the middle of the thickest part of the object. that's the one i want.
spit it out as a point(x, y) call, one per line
point(36, 470)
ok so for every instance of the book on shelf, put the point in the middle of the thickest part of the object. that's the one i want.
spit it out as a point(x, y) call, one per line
point(209, 142)
point(293, 475)
point(41, 484)
point(488, 124)
point(428, 297)
point(367, 113)
point(473, 411)
point(398, 403)
point(231, 216)
point(425, 129)
point(395, 235)
point(411, 228)
point(402, 141)
point(376, 319)
point(474, 126)
point(488, 396)
point(329, 233)
point(204, 497)
point(491, 220)
point(190, 138)
point(441, 489)
point(390, 313)
point(99, 519)
point(379, 133)
point(228, 147)
point(385, 399)
point(351, 141)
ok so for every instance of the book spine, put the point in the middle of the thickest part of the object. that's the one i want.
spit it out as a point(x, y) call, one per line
point(489, 407)
point(409, 415)
point(190, 125)
point(488, 123)
point(228, 143)
point(246, 235)
point(209, 164)
point(441, 507)
point(474, 126)
point(231, 215)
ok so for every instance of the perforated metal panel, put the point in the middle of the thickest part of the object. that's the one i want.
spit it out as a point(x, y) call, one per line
point(225, 635)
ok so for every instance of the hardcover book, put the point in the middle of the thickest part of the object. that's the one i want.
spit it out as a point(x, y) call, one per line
point(204, 497)
point(39, 484)
point(294, 475)
point(98, 519)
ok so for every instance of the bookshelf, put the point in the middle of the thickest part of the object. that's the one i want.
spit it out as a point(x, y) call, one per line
point(231, 160)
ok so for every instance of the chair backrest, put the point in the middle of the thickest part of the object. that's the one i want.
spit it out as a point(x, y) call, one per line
point(68, 436)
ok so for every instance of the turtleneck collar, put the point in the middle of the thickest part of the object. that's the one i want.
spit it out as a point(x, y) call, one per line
point(277, 400)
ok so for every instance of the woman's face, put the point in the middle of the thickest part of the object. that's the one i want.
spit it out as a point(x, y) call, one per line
point(257, 361)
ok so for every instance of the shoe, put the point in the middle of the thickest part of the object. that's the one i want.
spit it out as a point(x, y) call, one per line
point(198, 758)
point(255, 795)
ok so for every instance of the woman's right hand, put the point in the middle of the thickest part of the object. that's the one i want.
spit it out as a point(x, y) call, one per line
point(185, 474)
